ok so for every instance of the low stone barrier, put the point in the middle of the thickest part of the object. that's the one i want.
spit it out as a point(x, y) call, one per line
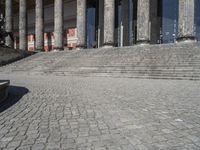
point(4, 85)
point(8, 55)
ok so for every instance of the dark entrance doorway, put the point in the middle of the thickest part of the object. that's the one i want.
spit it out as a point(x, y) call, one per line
point(92, 22)
point(155, 21)
point(122, 11)
point(197, 18)
point(133, 21)
point(169, 30)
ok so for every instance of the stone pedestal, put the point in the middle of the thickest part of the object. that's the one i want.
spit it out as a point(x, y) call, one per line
point(9, 22)
point(143, 24)
point(4, 85)
point(22, 25)
point(109, 22)
point(39, 25)
point(125, 22)
point(186, 21)
point(81, 24)
point(58, 24)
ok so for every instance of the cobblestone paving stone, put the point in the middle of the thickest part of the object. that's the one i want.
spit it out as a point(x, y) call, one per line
point(98, 113)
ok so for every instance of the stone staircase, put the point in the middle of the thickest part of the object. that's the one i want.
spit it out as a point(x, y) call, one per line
point(167, 61)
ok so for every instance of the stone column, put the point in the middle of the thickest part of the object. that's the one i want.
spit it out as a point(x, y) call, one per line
point(39, 25)
point(143, 24)
point(109, 22)
point(125, 22)
point(22, 25)
point(186, 20)
point(81, 24)
point(9, 22)
point(58, 25)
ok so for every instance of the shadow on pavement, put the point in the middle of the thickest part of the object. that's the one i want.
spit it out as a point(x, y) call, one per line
point(14, 95)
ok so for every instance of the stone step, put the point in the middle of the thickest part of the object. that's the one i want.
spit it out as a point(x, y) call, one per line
point(116, 68)
point(197, 72)
point(144, 76)
point(121, 75)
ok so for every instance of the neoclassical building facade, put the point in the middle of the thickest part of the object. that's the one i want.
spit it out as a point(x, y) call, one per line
point(81, 24)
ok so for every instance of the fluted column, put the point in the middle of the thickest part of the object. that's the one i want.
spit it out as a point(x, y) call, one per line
point(39, 25)
point(58, 25)
point(9, 22)
point(125, 22)
point(143, 24)
point(81, 24)
point(22, 25)
point(186, 20)
point(109, 22)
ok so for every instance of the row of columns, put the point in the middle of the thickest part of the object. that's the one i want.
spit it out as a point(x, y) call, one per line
point(186, 22)
point(8, 17)
point(39, 24)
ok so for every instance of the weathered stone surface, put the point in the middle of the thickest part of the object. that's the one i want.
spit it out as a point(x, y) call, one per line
point(22, 25)
point(81, 23)
point(39, 25)
point(9, 21)
point(58, 24)
point(143, 24)
point(186, 20)
point(109, 22)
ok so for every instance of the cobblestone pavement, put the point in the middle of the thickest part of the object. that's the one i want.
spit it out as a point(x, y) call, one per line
point(97, 113)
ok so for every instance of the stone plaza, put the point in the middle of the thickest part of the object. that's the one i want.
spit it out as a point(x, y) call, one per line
point(132, 81)
point(49, 108)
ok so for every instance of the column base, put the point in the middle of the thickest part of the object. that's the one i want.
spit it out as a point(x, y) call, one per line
point(108, 45)
point(58, 49)
point(39, 50)
point(80, 47)
point(186, 39)
point(143, 42)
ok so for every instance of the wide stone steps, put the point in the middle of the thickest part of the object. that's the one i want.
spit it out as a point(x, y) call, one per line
point(172, 61)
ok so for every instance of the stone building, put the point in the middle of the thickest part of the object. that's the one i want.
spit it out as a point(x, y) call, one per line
point(47, 24)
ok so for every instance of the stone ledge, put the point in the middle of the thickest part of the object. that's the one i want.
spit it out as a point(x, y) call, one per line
point(4, 84)
point(8, 55)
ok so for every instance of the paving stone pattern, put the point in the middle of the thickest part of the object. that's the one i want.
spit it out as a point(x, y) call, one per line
point(98, 113)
